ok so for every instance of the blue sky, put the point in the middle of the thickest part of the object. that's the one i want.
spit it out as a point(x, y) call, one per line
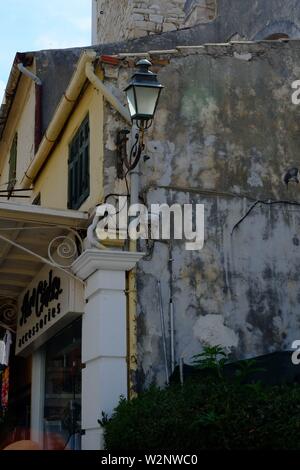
point(28, 25)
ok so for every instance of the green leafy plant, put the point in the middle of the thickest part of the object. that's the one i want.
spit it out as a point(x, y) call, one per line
point(247, 368)
point(212, 357)
point(104, 420)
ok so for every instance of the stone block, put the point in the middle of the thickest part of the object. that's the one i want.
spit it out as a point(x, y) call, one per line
point(169, 27)
point(138, 17)
point(145, 25)
point(156, 18)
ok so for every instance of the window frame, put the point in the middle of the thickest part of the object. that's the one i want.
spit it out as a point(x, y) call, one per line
point(79, 166)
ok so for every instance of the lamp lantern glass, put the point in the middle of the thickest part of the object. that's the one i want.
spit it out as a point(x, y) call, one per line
point(143, 93)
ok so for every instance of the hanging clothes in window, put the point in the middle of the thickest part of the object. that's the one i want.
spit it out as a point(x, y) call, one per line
point(5, 389)
point(2, 354)
point(5, 345)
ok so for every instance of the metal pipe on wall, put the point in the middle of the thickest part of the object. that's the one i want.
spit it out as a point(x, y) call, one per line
point(132, 290)
point(163, 330)
point(29, 74)
point(172, 325)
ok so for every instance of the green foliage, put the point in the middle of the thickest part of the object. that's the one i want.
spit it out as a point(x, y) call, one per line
point(212, 357)
point(208, 413)
point(246, 369)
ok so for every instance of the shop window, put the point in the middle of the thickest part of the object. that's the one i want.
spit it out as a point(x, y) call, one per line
point(62, 415)
point(12, 176)
point(79, 166)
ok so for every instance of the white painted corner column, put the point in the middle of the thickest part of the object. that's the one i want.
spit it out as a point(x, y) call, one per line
point(104, 336)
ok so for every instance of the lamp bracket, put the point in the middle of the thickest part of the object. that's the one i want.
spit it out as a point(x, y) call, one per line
point(123, 161)
point(122, 139)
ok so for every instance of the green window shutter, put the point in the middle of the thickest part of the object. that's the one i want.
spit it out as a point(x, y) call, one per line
point(79, 166)
point(12, 177)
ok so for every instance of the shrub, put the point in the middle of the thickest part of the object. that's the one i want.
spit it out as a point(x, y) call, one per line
point(213, 413)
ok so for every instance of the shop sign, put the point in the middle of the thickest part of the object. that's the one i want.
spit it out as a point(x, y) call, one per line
point(51, 301)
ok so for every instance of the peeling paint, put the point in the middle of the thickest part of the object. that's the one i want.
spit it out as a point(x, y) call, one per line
point(246, 57)
point(222, 137)
point(211, 331)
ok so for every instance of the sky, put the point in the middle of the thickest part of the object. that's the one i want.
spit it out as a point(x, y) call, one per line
point(29, 25)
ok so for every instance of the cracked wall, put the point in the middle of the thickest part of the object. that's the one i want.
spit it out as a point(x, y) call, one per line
point(224, 135)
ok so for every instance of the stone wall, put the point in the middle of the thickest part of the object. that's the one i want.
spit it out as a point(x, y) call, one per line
point(235, 20)
point(224, 135)
point(114, 20)
point(118, 20)
point(199, 11)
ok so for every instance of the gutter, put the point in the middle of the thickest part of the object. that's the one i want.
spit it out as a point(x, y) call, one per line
point(60, 117)
point(84, 71)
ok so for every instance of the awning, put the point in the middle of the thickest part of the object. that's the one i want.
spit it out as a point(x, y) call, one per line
point(30, 237)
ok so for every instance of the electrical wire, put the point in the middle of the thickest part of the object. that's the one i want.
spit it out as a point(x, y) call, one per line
point(261, 202)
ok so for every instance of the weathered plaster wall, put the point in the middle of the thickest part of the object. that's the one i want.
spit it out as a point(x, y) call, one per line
point(225, 133)
point(55, 69)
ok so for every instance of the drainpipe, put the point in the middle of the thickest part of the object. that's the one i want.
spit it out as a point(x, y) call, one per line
point(38, 103)
point(29, 74)
point(132, 289)
point(132, 329)
point(99, 85)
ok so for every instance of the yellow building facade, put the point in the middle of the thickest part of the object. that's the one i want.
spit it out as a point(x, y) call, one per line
point(51, 180)
point(69, 299)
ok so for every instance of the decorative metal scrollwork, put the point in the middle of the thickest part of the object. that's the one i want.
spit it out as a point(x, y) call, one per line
point(64, 249)
point(8, 311)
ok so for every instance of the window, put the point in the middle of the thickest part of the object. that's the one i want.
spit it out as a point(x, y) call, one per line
point(79, 166)
point(12, 177)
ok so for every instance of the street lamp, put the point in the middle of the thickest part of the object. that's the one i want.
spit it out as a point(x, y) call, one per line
point(143, 94)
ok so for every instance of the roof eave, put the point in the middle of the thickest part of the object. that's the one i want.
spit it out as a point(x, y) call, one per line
point(12, 87)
